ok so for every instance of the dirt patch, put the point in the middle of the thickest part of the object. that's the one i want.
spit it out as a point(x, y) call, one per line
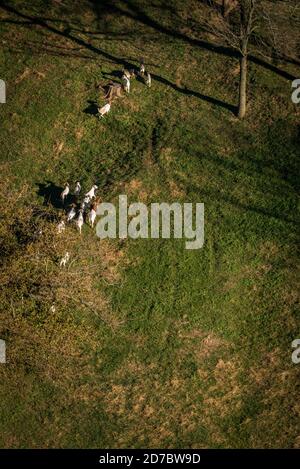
point(175, 190)
point(133, 186)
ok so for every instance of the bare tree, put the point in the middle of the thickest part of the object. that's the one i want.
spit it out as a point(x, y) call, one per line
point(247, 27)
point(279, 32)
point(257, 26)
point(234, 25)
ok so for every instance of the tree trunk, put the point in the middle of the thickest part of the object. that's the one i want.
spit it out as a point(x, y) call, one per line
point(224, 8)
point(243, 87)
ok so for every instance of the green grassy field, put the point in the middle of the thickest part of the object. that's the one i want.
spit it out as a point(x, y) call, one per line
point(150, 345)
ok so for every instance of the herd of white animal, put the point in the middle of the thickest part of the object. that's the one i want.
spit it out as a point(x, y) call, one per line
point(126, 77)
point(88, 206)
point(86, 212)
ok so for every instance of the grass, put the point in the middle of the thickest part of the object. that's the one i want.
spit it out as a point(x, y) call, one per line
point(150, 345)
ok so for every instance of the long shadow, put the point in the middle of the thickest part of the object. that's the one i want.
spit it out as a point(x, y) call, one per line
point(124, 63)
point(139, 15)
point(113, 74)
point(51, 194)
point(148, 21)
point(183, 90)
point(91, 109)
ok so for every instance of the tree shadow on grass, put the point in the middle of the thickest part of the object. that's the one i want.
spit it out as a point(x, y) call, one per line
point(123, 63)
point(133, 11)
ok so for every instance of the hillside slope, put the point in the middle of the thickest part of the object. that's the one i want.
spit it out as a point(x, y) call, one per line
point(149, 345)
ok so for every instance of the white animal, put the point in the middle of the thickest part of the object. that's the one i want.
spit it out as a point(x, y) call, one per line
point(104, 110)
point(126, 83)
point(86, 201)
point(92, 216)
point(52, 309)
point(65, 192)
point(142, 68)
point(79, 221)
point(61, 226)
point(71, 214)
point(91, 193)
point(64, 260)
point(126, 74)
point(77, 188)
point(148, 79)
